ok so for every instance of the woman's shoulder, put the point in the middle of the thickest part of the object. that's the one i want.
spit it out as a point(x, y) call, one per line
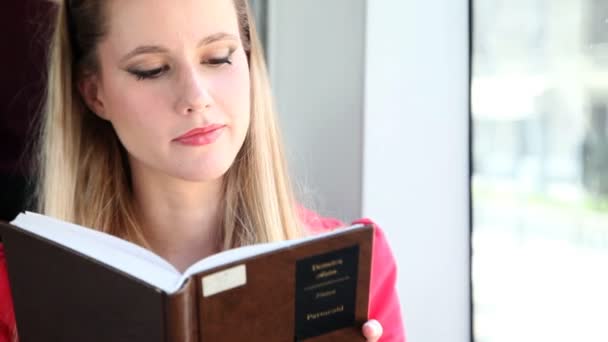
point(7, 317)
point(315, 224)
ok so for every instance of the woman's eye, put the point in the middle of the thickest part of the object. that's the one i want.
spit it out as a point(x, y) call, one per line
point(219, 61)
point(149, 74)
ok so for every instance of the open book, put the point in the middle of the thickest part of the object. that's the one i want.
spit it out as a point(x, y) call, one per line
point(71, 283)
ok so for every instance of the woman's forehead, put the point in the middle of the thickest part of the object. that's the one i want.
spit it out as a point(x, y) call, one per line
point(169, 23)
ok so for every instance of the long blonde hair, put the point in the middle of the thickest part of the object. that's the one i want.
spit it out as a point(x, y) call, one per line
point(83, 170)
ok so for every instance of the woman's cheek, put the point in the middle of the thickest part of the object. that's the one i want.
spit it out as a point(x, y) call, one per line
point(142, 109)
point(138, 123)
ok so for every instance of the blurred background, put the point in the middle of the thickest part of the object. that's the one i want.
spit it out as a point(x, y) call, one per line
point(475, 132)
point(540, 170)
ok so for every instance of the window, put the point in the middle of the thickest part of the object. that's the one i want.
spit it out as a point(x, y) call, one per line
point(540, 170)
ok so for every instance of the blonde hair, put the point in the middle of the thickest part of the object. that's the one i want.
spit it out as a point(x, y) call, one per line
point(83, 170)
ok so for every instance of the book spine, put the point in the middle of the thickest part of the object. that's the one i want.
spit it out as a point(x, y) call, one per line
point(181, 314)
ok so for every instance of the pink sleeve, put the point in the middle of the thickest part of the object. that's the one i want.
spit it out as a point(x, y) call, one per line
point(7, 317)
point(384, 305)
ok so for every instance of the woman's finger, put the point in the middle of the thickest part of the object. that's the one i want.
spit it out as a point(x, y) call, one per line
point(372, 330)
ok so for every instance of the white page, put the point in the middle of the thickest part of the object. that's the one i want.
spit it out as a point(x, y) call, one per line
point(120, 254)
point(241, 253)
point(138, 261)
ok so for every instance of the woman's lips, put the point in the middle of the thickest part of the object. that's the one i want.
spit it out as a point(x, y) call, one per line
point(201, 136)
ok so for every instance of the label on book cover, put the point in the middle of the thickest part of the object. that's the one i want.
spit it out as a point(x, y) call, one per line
point(326, 288)
point(224, 280)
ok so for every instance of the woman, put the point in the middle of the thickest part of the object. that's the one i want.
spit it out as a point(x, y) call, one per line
point(159, 129)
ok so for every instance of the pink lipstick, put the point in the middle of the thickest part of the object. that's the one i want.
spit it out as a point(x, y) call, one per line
point(201, 136)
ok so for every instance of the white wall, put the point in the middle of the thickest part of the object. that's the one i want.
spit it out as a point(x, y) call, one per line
point(415, 170)
point(316, 52)
point(373, 97)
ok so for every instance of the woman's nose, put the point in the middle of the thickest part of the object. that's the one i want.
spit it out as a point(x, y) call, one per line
point(194, 96)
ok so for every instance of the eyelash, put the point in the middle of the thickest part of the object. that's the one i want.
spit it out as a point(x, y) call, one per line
point(157, 72)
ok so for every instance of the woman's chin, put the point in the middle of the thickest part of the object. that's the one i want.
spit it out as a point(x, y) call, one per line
point(202, 175)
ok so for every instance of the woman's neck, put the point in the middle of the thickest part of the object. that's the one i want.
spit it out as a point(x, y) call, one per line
point(180, 219)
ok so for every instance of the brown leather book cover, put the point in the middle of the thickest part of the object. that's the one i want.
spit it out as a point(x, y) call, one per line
point(313, 291)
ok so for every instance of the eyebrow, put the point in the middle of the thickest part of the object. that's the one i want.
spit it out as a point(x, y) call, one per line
point(146, 49)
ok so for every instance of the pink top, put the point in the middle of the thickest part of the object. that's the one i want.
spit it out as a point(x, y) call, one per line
point(7, 318)
point(383, 302)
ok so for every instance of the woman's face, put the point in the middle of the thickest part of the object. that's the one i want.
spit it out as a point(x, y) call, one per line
point(174, 83)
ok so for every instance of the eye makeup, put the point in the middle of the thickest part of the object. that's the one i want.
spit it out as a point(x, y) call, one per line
point(214, 62)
